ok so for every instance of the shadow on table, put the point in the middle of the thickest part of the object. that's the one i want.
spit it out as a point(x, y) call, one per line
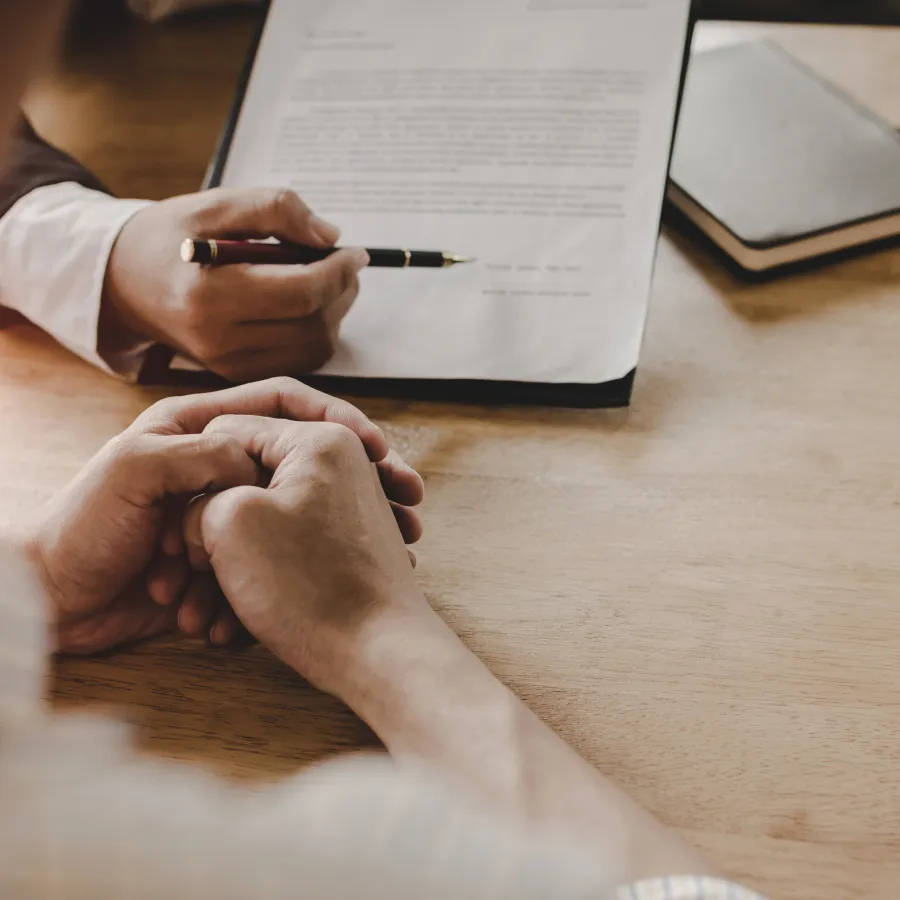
point(803, 290)
point(239, 713)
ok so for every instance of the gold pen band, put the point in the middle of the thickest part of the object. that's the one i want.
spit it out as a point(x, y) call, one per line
point(192, 251)
point(408, 259)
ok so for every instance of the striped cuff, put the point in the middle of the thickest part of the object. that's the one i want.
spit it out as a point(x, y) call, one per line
point(685, 887)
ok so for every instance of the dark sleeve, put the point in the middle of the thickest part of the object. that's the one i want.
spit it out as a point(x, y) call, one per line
point(34, 163)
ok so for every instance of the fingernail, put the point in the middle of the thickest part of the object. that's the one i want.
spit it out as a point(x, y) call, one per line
point(324, 230)
point(221, 634)
point(360, 258)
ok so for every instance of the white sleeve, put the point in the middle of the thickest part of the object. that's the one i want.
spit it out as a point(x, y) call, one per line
point(54, 248)
point(685, 887)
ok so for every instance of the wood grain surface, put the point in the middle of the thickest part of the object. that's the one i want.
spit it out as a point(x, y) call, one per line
point(701, 594)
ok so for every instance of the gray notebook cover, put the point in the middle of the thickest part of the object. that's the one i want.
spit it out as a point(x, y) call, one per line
point(775, 153)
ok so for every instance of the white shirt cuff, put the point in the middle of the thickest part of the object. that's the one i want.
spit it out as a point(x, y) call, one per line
point(54, 248)
point(685, 887)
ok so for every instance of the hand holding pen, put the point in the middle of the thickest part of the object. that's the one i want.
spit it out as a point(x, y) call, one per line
point(245, 323)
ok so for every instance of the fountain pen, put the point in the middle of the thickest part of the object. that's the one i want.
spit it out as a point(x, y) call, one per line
point(223, 253)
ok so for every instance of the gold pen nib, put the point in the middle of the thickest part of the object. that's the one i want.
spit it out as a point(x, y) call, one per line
point(451, 259)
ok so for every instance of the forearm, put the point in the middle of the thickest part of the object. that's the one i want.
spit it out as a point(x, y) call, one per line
point(23, 638)
point(83, 818)
point(431, 700)
point(35, 25)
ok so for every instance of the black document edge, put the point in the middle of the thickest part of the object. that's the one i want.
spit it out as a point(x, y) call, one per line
point(606, 395)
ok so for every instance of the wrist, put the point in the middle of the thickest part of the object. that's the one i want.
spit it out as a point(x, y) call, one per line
point(119, 329)
point(29, 547)
point(22, 553)
point(122, 323)
point(350, 661)
point(411, 679)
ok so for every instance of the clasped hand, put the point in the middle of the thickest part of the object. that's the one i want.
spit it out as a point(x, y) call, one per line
point(272, 506)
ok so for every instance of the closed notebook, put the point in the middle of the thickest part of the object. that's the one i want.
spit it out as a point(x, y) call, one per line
point(777, 166)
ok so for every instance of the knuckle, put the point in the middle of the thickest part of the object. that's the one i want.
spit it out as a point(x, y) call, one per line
point(285, 387)
point(221, 426)
point(284, 197)
point(198, 209)
point(353, 285)
point(336, 442)
point(239, 508)
point(315, 292)
point(159, 415)
point(224, 444)
point(166, 407)
point(126, 452)
point(348, 280)
point(284, 204)
point(219, 439)
point(247, 500)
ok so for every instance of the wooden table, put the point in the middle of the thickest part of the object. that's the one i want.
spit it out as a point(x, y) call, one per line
point(702, 595)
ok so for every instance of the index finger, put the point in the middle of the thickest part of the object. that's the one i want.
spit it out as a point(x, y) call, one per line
point(275, 398)
point(269, 441)
point(267, 293)
point(260, 213)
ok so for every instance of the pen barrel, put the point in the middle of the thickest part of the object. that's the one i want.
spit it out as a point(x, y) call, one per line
point(258, 253)
point(225, 253)
point(405, 259)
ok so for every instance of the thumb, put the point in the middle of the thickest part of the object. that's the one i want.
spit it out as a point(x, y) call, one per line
point(198, 554)
point(262, 213)
point(204, 519)
point(145, 469)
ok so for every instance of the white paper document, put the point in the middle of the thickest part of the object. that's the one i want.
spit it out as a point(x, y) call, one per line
point(533, 135)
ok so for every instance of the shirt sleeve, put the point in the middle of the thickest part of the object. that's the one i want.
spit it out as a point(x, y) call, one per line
point(34, 163)
point(685, 887)
point(55, 244)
